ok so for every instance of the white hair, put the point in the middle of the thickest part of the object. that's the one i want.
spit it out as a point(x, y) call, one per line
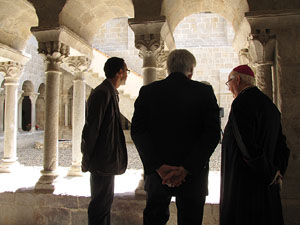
point(181, 61)
point(246, 79)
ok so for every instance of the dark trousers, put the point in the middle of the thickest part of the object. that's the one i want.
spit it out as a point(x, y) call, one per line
point(189, 201)
point(102, 195)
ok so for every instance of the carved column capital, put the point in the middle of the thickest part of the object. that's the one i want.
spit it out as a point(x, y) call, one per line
point(261, 47)
point(262, 35)
point(78, 63)
point(53, 53)
point(147, 42)
point(12, 71)
point(147, 35)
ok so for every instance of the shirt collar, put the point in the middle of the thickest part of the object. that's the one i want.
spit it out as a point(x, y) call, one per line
point(115, 89)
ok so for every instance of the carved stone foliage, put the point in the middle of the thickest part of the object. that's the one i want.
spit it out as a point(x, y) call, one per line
point(53, 52)
point(261, 47)
point(11, 70)
point(147, 42)
point(77, 63)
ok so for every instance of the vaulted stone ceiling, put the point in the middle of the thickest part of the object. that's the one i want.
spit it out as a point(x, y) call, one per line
point(85, 17)
point(16, 18)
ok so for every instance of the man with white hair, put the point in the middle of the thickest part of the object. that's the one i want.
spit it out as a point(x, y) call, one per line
point(175, 128)
point(254, 156)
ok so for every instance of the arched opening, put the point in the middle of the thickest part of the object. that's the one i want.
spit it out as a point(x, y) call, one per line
point(26, 114)
point(26, 118)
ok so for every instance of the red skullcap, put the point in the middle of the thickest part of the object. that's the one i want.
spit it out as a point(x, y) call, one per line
point(244, 69)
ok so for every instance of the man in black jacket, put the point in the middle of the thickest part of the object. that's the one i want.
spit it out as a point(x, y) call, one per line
point(175, 128)
point(103, 142)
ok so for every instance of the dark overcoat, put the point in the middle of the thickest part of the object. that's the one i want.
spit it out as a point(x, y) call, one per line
point(176, 122)
point(247, 196)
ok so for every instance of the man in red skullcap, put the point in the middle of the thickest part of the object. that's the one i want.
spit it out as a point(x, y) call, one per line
point(254, 156)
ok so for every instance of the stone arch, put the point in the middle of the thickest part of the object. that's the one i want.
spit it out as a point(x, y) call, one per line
point(40, 107)
point(84, 18)
point(232, 11)
point(176, 10)
point(27, 89)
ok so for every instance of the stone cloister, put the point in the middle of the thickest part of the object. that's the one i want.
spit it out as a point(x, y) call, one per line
point(52, 53)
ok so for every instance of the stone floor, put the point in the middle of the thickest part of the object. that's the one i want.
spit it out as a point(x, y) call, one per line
point(31, 160)
point(68, 204)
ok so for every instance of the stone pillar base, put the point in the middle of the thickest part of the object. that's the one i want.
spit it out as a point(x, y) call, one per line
point(140, 188)
point(9, 165)
point(46, 183)
point(75, 171)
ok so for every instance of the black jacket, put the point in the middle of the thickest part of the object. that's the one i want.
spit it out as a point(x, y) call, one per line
point(103, 143)
point(176, 122)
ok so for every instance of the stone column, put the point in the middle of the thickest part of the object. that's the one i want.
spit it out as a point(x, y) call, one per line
point(244, 56)
point(53, 53)
point(149, 66)
point(66, 109)
point(264, 78)
point(33, 97)
point(2, 96)
point(12, 72)
point(149, 41)
point(20, 101)
point(261, 50)
point(161, 72)
point(79, 65)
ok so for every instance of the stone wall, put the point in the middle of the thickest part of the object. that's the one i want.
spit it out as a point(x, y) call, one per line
point(27, 207)
point(116, 38)
point(34, 69)
point(288, 70)
point(209, 37)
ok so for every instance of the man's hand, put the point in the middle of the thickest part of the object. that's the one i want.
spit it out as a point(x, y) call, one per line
point(164, 170)
point(173, 176)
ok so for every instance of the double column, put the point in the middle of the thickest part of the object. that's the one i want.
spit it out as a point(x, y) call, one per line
point(53, 52)
point(151, 46)
point(79, 66)
point(12, 72)
point(261, 52)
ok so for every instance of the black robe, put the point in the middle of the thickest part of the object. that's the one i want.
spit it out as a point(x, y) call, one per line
point(247, 198)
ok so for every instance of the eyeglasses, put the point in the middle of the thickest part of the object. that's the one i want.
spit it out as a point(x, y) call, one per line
point(128, 71)
point(227, 83)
